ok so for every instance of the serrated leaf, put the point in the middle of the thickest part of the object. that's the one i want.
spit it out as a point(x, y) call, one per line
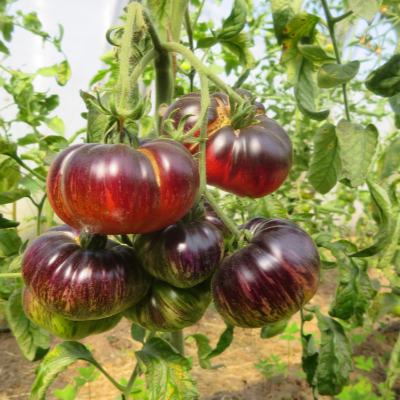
point(10, 242)
point(6, 223)
point(282, 12)
point(314, 53)
point(32, 340)
point(225, 340)
point(166, 371)
point(357, 149)
point(53, 143)
point(385, 81)
point(326, 164)
point(309, 358)
point(203, 349)
point(365, 10)
point(13, 195)
point(274, 329)
point(240, 46)
point(331, 75)
point(382, 304)
point(48, 71)
point(206, 42)
point(64, 73)
point(57, 361)
point(335, 363)
point(236, 21)
point(138, 333)
point(55, 124)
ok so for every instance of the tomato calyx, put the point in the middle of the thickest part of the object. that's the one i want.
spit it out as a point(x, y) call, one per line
point(197, 213)
point(244, 116)
point(236, 244)
point(177, 133)
point(92, 241)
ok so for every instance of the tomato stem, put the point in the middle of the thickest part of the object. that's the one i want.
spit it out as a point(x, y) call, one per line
point(11, 275)
point(228, 222)
point(178, 341)
point(39, 214)
point(178, 8)
point(20, 162)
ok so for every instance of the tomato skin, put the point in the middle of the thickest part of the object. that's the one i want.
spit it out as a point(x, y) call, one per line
point(183, 254)
point(253, 161)
point(61, 327)
point(168, 309)
point(82, 284)
point(271, 278)
point(114, 189)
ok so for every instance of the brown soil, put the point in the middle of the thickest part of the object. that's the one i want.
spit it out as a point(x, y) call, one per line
point(237, 379)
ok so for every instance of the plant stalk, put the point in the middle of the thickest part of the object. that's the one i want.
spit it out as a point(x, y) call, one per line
point(11, 275)
point(39, 215)
point(22, 164)
point(178, 341)
point(178, 9)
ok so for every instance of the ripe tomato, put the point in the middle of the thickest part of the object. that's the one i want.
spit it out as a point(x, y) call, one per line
point(82, 284)
point(61, 327)
point(114, 189)
point(183, 254)
point(271, 278)
point(253, 161)
point(167, 308)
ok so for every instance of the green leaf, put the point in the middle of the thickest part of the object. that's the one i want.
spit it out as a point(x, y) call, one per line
point(86, 372)
point(381, 305)
point(236, 21)
point(68, 393)
point(7, 28)
point(325, 165)
point(314, 53)
point(305, 92)
point(56, 124)
point(33, 340)
point(30, 138)
point(394, 102)
point(239, 45)
point(282, 12)
point(394, 364)
point(13, 195)
point(15, 264)
point(64, 73)
point(138, 333)
point(10, 174)
point(354, 294)
point(7, 148)
point(225, 340)
point(3, 48)
point(160, 11)
point(166, 371)
point(365, 10)
point(203, 349)
point(382, 203)
point(385, 81)
point(53, 143)
point(57, 361)
point(335, 352)
point(309, 358)
point(206, 42)
point(274, 329)
point(99, 76)
point(6, 223)
point(331, 75)
point(10, 242)
point(357, 149)
point(48, 71)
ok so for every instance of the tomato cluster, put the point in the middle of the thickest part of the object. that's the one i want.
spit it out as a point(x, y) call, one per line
point(79, 282)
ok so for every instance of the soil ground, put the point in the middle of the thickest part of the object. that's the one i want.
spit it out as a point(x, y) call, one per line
point(238, 379)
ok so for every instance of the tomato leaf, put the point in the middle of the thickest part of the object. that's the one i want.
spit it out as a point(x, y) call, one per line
point(331, 75)
point(365, 10)
point(166, 371)
point(394, 364)
point(326, 164)
point(282, 12)
point(274, 329)
point(7, 148)
point(203, 349)
point(138, 333)
point(48, 71)
point(309, 358)
point(32, 340)
point(314, 53)
point(13, 195)
point(357, 149)
point(394, 102)
point(239, 45)
point(64, 73)
point(4, 48)
point(10, 242)
point(335, 361)
point(224, 341)
point(57, 361)
point(236, 21)
point(6, 223)
point(55, 124)
point(381, 305)
point(385, 81)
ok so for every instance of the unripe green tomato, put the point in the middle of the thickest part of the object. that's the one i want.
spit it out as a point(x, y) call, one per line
point(62, 327)
point(350, 196)
point(395, 310)
point(308, 194)
point(308, 317)
point(351, 209)
point(347, 219)
point(186, 66)
point(306, 207)
point(329, 47)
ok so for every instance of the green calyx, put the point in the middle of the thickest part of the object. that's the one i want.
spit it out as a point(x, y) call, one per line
point(243, 115)
point(92, 241)
point(196, 213)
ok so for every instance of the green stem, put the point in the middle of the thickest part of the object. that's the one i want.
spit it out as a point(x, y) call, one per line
point(128, 387)
point(342, 17)
point(203, 134)
point(11, 275)
point(228, 222)
point(331, 27)
point(189, 31)
point(178, 8)
point(178, 341)
point(152, 32)
point(39, 215)
point(147, 59)
point(22, 164)
point(198, 14)
point(110, 378)
point(202, 69)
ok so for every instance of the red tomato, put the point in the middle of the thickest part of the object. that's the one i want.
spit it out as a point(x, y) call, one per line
point(253, 161)
point(115, 189)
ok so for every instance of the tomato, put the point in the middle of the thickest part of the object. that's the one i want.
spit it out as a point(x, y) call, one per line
point(253, 161)
point(395, 310)
point(82, 284)
point(351, 209)
point(186, 66)
point(61, 327)
point(308, 194)
point(167, 308)
point(184, 254)
point(271, 278)
point(306, 207)
point(115, 189)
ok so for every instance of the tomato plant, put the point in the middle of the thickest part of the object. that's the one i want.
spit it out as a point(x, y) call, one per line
point(266, 165)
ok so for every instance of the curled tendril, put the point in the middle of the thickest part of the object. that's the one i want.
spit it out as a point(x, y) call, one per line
point(108, 35)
